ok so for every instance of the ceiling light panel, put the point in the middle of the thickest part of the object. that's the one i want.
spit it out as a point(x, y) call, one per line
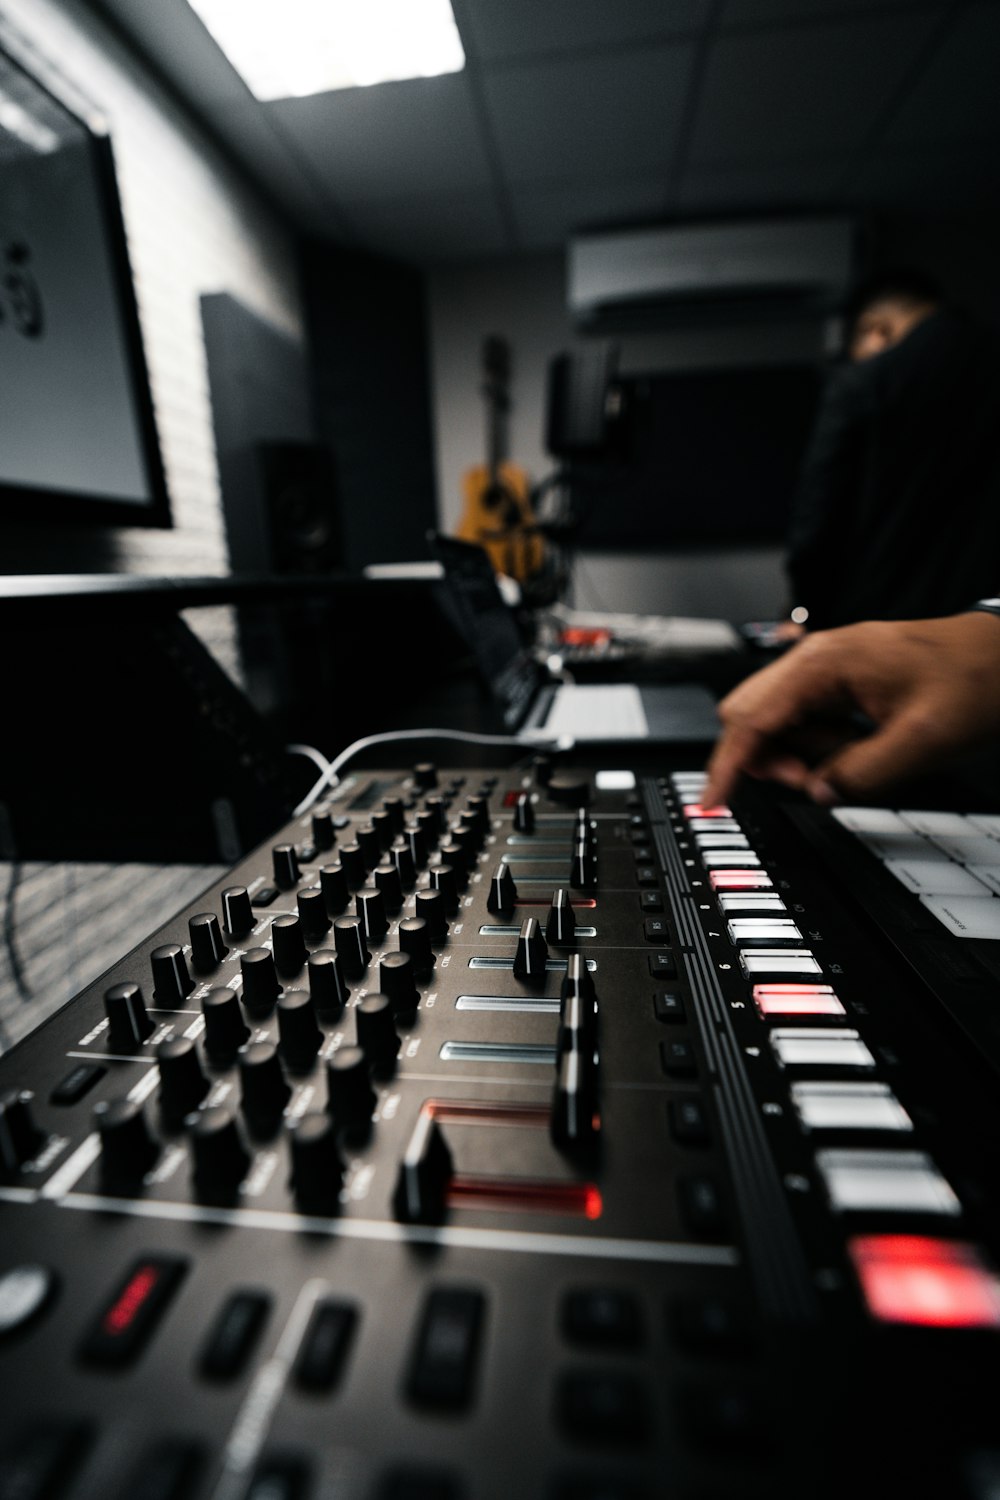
point(286, 49)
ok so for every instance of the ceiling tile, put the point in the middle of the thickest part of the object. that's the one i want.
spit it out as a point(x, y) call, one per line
point(425, 230)
point(589, 117)
point(498, 29)
point(391, 140)
point(776, 93)
point(806, 183)
point(957, 94)
point(547, 215)
point(756, 12)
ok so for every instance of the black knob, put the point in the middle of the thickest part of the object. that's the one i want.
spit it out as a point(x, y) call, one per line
point(351, 1096)
point(573, 1121)
point(333, 884)
point(317, 1170)
point(532, 951)
point(431, 907)
point(349, 939)
point(352, 861)
point(524, 814)
point(561, 925)
point(388, 884)
point(219, 1157)
point(370, 844)
point(128, 1023)
point(577, 977)
point(468, 839)
point(265, 1092)
point(299, 1036)
point(425, 774)
point(128, 1146)
point(421, 1192)
point(428, 825)
point(479, 806)
point(503, 891)
point(323, 835)
point(419, 843)
point(207, 948)
point(183, 1085)
point(377, 1035)
point(403, 863)
point(382, 824)
point(20, 1138)
point(438, 808)
point(313, 918)
point(397, 981)
point(288, 946)
point(237, 912)
point(453, 857)
point(583, 868)
point(171, 981)
point(286, 866)
point(260, 981)
point(578, 1023)
point(415, 939)
point(444, 880)
point(225, 1028)
point(370, 907)
point(542, 767)
point(326, 983)
point(396, 813)
point(569, 789)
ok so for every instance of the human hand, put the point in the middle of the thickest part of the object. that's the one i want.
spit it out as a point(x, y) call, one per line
point(930, 687)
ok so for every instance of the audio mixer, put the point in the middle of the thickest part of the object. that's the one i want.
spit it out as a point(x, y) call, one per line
point(534, 1133)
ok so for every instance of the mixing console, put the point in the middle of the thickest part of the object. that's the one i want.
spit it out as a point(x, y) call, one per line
point(503, 1134)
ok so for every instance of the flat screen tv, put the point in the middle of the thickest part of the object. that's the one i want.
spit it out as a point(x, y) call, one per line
point(77, 435)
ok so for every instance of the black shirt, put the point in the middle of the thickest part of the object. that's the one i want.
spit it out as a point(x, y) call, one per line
point(897, 512)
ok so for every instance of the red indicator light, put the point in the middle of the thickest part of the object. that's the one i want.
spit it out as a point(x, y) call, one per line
point(796, 1000)
point(695, 810)
point(913, 1279)
point(511, 798)
point(587, 901)
point(123, 1313)
point(739, 880)
point(581, 1199)
point(471, 1112)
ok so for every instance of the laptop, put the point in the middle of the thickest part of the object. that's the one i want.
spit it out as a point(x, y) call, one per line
point(543, 712)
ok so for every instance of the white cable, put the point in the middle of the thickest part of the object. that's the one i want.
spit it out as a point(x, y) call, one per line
point(330, 775)
point(311, 754)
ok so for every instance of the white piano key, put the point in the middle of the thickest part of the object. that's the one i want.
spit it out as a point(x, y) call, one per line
point(726, 841)
point(760, 961)
point(764, 930)
point(730, 859)
point(810, 1047)
point(761, 901)
point(713, 825)
point(861, 1105)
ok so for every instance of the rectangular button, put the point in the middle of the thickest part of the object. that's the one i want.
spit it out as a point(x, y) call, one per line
point(740, 880)
point(79, 1081)
point(865, 1105)
point(796, 1000)
point(971, 849)
point(722, 841)
point(935, 877)
point(655, 930)
point(730, 859)
point(935, 824)
point(760, 901)
point(444, 1360)
point(668, 1007)
point(677, 1059)
point(651, 901)
point(647, 875)
point(870, 820)
point(778, 961)
point(130, 1317)
point(931, 1283)
point(886, 1182)
point(713, 825)
point(688, 1121)
point(663, 965)
point(701, 1205)
point(231, 1339)
point(810, 1047)
point(988, 823)
point(38, 1461)
point(695, 810)
point(764, 930)
point(966, 916)
point(325, 1344)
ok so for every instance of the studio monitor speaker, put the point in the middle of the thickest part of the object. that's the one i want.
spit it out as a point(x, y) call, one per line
point(301, 507)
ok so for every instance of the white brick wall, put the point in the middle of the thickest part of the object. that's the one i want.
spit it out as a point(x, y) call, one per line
point(193, 226)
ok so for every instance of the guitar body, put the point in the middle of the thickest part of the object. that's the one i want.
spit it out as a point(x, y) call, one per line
point(497, 515)
point(497, 512)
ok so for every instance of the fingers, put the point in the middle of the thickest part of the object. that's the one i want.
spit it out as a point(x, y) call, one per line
point(903, 746)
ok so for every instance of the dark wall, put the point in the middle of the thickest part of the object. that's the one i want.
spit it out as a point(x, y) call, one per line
point(367, 329)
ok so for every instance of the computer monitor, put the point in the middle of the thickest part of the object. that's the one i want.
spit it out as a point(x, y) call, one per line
point(77, 435)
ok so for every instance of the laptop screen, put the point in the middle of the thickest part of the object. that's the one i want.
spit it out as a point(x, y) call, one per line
point(471, 594)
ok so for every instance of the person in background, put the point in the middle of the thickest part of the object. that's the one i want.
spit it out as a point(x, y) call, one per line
point(897, 510)
point(848, 712)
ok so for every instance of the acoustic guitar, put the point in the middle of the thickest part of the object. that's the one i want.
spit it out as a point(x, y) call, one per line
point(497, 511)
